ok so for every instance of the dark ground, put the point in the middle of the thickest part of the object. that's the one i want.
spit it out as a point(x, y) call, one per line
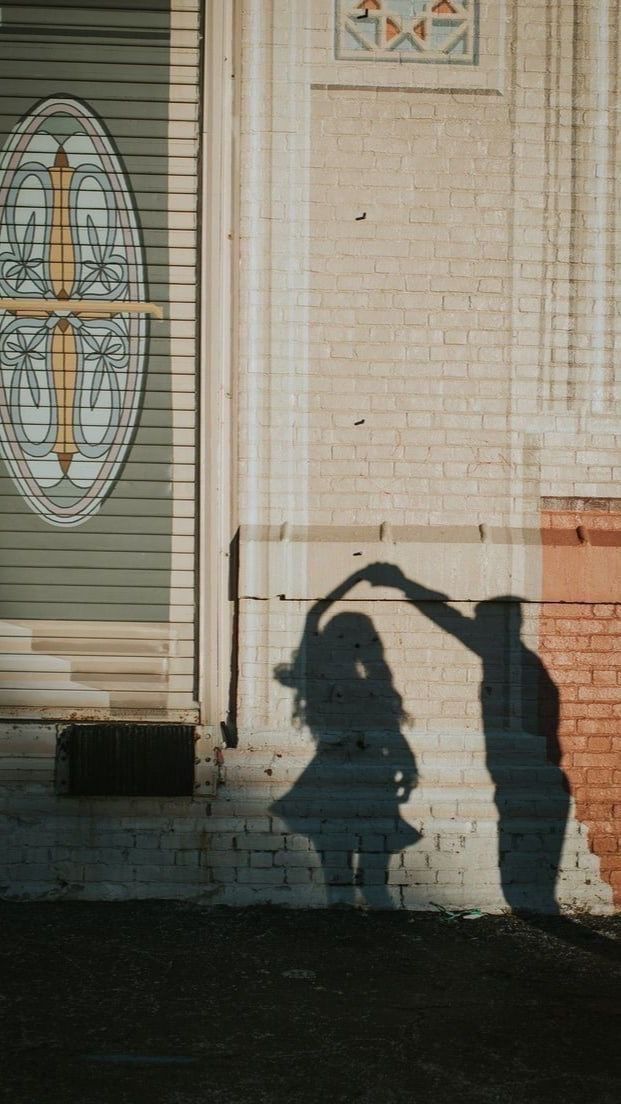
point(270, 1006)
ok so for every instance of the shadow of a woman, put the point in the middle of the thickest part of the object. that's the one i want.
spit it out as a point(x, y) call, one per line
point(346, 801)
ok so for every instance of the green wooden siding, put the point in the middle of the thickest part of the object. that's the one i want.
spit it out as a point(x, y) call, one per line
point(115, 56)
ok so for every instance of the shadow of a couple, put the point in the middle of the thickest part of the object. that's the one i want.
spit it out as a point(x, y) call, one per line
point(364, 770)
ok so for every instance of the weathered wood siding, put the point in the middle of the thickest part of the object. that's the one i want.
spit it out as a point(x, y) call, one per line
point(99, 617)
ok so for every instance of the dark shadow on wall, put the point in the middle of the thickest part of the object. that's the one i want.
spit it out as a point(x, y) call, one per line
point(344, 693)
point(520, 716)
point(228, 728)
point(363, 768)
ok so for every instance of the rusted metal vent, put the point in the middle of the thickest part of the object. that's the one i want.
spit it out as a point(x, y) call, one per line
point(128, 760)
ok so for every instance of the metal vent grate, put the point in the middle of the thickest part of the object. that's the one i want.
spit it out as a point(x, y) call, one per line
point(126, 760)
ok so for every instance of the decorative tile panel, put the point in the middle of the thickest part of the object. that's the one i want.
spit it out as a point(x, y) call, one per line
point(438, 31)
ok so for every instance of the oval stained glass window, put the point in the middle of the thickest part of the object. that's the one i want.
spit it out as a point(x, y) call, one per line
point(73, 311)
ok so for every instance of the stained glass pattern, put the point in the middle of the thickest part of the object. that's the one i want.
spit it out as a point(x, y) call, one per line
point(73, 312)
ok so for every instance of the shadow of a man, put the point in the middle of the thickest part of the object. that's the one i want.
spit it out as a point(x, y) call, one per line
point(519, 705)
point(363, 768)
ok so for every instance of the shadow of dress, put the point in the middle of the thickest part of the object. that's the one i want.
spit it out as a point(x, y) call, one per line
point(346, 801)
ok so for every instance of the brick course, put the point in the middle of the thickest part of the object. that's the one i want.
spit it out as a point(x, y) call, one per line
point(581, 647)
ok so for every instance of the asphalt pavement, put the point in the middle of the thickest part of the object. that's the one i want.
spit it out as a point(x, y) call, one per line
point(162, 1003)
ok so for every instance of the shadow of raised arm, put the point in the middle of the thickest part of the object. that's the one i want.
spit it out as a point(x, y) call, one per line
point(432, 603)
point(289, 673)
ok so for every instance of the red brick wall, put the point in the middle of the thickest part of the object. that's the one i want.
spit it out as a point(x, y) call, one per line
point(580, 644)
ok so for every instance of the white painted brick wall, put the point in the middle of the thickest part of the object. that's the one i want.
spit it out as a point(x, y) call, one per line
point(442, 318)
point(413, 367)
point(236, 852)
